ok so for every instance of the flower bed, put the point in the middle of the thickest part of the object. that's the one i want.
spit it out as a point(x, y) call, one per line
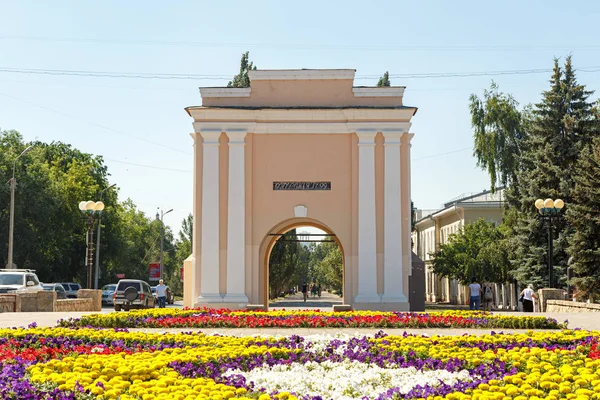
point(64, 363)
point(225, 318)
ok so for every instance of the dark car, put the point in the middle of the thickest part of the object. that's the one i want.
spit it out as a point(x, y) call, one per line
point(61, 293)
point(133, 293)
point(170, 298)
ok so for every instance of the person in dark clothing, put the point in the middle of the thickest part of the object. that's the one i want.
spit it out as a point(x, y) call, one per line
point(305, 291)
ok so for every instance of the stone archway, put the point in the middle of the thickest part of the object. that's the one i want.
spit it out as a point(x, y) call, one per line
point(300, 143)
point(269, 241)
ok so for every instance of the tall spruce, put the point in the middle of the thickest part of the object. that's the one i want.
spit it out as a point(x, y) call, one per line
point(583, 216)
point(384, 80)
point(242, 80)
point(558, 127)
point(498, 135)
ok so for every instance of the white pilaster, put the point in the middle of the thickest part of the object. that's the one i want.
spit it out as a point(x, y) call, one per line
point(407, 206)
point(236, 220)
point(209, 277)
point(196, 234)
point(367, 249)
point(393, 257)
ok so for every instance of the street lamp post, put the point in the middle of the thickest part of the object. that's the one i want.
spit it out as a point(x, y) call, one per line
point(550, 212)
point(162, 239)
point(97, 269)
point(13, 186)
point(90, 209)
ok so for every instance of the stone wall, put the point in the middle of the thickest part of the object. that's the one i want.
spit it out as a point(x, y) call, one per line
point(28, 302)
point(549, 294)
point(10, 302)
point(563, 306)
point(95, 295)
point(68, 305)
point(45, 301)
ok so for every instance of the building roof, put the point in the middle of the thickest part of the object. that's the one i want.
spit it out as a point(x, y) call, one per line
point(482, 199)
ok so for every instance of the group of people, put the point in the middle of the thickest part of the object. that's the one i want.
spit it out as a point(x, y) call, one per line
point(314, 289)
point(485, 295)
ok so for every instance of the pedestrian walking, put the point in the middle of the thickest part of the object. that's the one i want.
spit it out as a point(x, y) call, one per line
point(527, 296)
point(161, 294)
point(304, 291)
point(475, 295)
point(319, 290)
point(314, 290)
point(488, 296)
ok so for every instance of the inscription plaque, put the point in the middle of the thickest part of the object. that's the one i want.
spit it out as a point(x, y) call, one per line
point(301, 185)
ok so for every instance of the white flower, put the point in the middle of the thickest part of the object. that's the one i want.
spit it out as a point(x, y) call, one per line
point(345, 380)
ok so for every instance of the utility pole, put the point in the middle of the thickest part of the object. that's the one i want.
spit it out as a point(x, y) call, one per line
point(13, 186)
point(162, 239)
point(96, 275)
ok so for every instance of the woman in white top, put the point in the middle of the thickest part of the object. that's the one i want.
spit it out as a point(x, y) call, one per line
point(528, 295)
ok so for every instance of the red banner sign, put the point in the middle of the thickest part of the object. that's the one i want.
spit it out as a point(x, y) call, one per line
point(181, 273)
point(154, 271)
point(120, 276)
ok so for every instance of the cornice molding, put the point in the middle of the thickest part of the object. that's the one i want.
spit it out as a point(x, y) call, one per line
point(224, 92)
point(384, 91)
point(300, 74)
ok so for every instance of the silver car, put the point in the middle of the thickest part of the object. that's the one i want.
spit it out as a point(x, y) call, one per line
point(107, 293)
point(71, 288)
point(133, 293)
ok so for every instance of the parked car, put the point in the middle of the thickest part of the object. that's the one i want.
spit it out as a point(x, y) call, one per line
point(107, 293)
point(61, 293)
point(133, 293)
point(71, 289)
point(19, 281)
point(170, 298)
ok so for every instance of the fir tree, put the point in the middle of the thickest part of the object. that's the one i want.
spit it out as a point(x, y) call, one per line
point(242, 80)
point(558, 128)
point(384, 80)
point(583, 216)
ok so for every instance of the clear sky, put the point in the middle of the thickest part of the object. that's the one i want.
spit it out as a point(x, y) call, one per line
point(142, 121)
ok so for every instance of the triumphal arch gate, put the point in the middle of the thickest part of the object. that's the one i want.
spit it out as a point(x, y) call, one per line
point(298, 148)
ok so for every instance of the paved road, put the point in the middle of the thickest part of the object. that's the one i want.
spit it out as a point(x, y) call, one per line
point(296, 301)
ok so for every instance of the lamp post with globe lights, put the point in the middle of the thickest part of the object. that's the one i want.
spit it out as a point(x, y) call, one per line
point(90, 210)
point(550, 212)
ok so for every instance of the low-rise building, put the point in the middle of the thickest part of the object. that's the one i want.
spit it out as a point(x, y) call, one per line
point(434, 227)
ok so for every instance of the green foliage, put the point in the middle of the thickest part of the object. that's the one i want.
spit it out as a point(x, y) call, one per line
point(329, 267)
point(283, 263)
point(498, 134)
point(50, 232)
point(293, 263)
point(183, 249)
point(558, 128)
point(475, 251)
point(242, 80)
point(384, 80)
point(583, 216)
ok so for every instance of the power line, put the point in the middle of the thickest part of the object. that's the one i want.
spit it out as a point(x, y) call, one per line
point(95, 124)
point(306, 46)
point(176, 76)
point(106, 74)
point(149, 166)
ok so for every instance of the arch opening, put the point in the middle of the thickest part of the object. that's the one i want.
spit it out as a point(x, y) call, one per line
point(302, 253)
